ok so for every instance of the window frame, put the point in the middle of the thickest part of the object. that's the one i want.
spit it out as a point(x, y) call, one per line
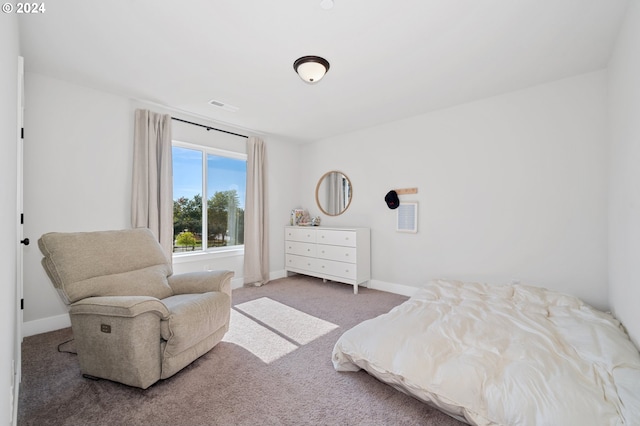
point(205, 150)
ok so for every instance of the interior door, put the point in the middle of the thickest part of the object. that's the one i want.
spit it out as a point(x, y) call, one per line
point(22, 241)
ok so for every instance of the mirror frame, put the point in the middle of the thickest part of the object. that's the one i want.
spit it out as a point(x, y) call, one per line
point(318, 189)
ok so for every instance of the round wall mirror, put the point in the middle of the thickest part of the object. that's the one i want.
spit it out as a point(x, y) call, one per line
point(333, 193)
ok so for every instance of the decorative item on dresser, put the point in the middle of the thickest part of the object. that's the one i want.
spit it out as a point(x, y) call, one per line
point(337, 254)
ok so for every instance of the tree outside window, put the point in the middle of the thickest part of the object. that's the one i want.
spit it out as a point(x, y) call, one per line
point(225, 180)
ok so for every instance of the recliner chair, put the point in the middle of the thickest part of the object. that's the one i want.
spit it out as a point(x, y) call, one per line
point(132, 320)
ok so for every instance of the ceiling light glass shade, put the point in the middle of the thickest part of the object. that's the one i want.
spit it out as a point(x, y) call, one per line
point(311, 68)
point(326, 4)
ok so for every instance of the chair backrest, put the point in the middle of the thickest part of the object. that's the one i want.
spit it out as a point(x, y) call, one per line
point(126, 262)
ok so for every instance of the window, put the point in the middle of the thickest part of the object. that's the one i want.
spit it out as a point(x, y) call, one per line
point(209, 188)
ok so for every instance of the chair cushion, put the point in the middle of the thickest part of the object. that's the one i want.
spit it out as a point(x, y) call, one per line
point(106, 263)
point(193, 317)
point(151, 281)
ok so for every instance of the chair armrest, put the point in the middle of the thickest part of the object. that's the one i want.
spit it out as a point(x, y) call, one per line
point(201, 282)
point(120, 306)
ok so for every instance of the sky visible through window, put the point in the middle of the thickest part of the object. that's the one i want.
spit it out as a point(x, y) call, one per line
point(224, 174)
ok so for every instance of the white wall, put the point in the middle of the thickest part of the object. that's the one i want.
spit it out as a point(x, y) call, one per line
point(77, 173)
point(284, 171)
point(624, 188)
point(510, 188)
point(78, 161)
point(8, 202)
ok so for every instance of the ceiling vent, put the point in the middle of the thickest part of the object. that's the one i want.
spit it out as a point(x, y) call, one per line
point(224, 106)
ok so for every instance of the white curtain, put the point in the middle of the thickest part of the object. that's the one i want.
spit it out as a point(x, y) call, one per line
point(256, 238)
point(152, 193)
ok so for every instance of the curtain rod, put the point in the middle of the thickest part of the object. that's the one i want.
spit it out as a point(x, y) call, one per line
point(209, 127)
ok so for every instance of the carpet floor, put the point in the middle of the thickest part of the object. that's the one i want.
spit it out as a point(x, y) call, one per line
point(272, 368)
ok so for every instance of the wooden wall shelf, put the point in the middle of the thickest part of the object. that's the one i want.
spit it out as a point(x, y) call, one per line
point(405, 191)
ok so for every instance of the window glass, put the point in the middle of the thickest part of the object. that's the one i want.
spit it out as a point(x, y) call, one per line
point(187, 199)
point(226, 182)
point(221, 184)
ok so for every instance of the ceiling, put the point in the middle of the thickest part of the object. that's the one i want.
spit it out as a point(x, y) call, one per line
point(389, 60)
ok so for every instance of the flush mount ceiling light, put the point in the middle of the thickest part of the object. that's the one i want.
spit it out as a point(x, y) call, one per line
point(326, 4)
point(311, 68)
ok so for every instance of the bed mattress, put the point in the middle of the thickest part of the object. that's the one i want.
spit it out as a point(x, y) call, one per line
point(501, 355)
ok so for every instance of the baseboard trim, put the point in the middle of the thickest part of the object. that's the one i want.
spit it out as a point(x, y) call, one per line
point(277, 275)
point(44, 325)
point(236, 283)
point(239, 282)
point(405, 290)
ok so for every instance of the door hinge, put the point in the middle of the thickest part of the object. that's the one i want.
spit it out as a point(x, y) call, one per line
point(22, 304)
point(21, 218)
point(22, 133)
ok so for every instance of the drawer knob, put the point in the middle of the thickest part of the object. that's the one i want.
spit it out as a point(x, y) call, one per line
point(347, 254)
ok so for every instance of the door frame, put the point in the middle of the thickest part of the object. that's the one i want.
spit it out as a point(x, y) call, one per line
point(17, 356)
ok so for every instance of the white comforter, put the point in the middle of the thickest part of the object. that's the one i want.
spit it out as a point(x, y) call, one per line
point(508, 355)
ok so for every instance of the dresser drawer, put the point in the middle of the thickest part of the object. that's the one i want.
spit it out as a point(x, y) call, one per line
point(302, 249)
point(306, 235)
point(337, 238)
point(337, 269)
point(339, 253)
point(300, 262)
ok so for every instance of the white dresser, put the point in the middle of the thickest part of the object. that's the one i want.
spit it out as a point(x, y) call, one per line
point(337, 254)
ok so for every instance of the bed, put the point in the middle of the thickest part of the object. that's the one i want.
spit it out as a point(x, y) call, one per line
point(501, 355)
